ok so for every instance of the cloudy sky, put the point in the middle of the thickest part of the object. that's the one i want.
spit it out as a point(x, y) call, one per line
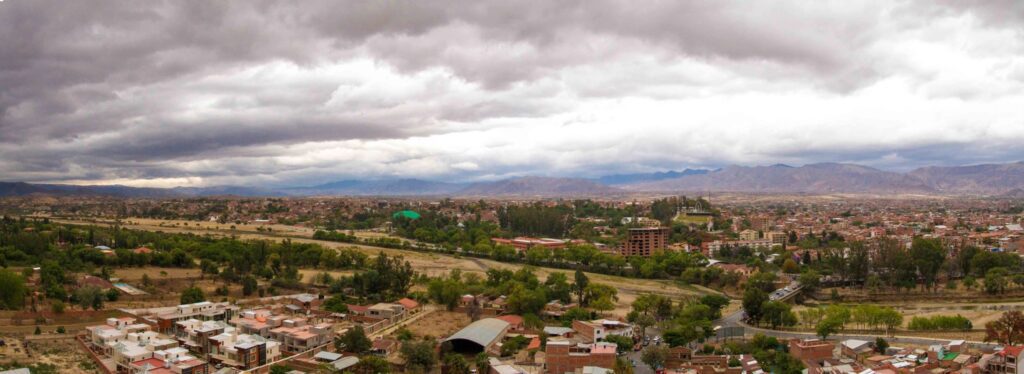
point(152, 93)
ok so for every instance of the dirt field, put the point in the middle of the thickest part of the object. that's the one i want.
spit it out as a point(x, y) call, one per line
point(438, 324)
point(64, 354)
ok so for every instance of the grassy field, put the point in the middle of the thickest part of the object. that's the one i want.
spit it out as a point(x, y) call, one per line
point(429, 263)
point(978, 313)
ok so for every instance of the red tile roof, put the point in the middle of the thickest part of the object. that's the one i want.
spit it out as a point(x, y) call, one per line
point(512, 319)
point(1013, 350)
point(408, 303)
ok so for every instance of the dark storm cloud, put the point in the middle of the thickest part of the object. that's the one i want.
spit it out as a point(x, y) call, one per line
point(126, 89)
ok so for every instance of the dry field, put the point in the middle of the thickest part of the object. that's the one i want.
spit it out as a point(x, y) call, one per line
point(65, 354)
point(439, 324)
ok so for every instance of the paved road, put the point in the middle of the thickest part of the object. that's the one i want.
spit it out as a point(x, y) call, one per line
point(641, 367)
point(736, 319)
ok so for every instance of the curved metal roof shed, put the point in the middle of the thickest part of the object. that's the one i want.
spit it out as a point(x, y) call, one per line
point(479, 335)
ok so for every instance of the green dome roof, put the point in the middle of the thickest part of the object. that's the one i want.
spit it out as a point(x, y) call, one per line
point(406, 214)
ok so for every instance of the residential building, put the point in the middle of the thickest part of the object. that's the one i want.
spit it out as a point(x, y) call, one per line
point(1006, 361)
point(645, 241)
point(170, 361)
point(243, 351)
point(166, 321)
point(749, 235)
point(563, 356)
point(811, 349)
point(597, 330)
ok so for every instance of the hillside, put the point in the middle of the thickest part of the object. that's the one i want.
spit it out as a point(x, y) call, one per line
point(396, 187)
point(974, 179)
point(814, 178)
point(540, 186)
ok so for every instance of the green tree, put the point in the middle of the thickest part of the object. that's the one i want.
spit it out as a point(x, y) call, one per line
point(995, 280)
point(112, 294)
point(655, 356)
point(456, 364)
point(928, 256)
point(419, 355)
point(192, 295)
point(810, 280)
point(753, 304)
point(969, 282)
point(279, 369)
point(57, 306)
point(580, 286)
point(14, 290)
point(354, 340)
point(372, 365)
point(790, 267)
point(881, 345)
point(482, 362)
point(336, 304)
point(828, 327)
point(249, 285)
point(778, 313)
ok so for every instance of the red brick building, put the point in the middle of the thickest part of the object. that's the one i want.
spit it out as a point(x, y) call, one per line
point(811, 349)
point(565, 357)
point(645, 241)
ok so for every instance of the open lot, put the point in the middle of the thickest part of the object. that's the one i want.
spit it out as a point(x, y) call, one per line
point(439, 323)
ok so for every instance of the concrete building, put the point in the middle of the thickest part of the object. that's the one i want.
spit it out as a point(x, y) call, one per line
point(1006, 361)
point(166, 321)
point(243, 351)
point(170, 361)
point(749, 235)
point(811, 349)
point(114, 331)
point(598, 330)
point(645, 241)
point(297, 336)
point(195, 334)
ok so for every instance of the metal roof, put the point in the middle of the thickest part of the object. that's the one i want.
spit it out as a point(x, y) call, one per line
point(345, 362)
point(482, 332)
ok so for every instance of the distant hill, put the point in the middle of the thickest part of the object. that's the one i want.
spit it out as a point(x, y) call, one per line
point(395, 187)
point(621, 179)
point(990, 179)
point(540, 186)
point(814, 178)
point(25, 189)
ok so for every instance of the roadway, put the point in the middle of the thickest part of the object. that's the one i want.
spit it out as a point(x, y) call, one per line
point(736, 319)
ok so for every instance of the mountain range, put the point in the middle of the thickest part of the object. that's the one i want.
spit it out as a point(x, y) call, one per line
point(822, 178)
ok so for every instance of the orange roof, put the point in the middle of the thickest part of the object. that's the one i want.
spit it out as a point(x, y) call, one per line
point(143, 250)
point(1013, 350)
point(512, 319)
point(534, 344)
point(408, 303)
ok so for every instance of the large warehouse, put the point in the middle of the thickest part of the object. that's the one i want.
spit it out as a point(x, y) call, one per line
point(479, 336)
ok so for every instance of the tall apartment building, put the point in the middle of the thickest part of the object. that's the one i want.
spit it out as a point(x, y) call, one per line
point(645, 241)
